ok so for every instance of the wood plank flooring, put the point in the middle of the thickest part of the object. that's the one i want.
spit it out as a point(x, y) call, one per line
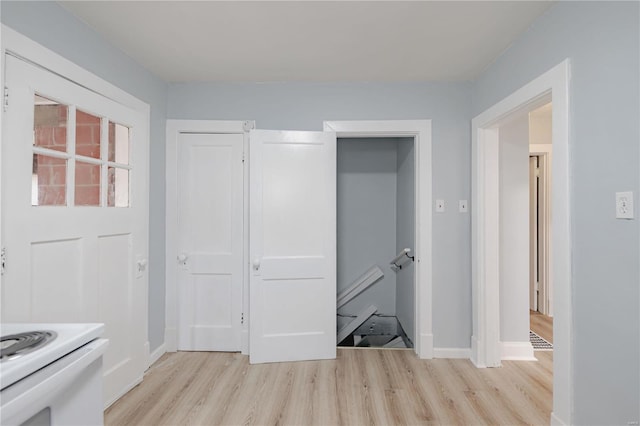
point(542, 325)
point(360, 387)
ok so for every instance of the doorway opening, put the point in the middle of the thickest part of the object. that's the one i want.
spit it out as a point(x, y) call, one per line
point(540, 279)
point(376, 242)
point(488, 349)
point(420, 132)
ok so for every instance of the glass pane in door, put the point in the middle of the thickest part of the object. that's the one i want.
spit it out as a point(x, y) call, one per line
point(48, 181)
point(49, 124)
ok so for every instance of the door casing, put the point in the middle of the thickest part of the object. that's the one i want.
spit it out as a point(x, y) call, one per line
point(174, 129)
point(485, 259)
point(420, 130)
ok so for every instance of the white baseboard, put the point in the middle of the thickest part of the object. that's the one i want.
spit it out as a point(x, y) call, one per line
point(153, 357)
point(455, 353)
point(171, 339)
point(517, 351)
point(120, 394)
point(556, 421)
point(426, 346)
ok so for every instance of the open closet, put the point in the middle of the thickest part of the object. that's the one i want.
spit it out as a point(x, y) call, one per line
point(375, 242)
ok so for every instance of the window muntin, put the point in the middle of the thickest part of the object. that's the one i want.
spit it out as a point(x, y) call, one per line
point(79, 157)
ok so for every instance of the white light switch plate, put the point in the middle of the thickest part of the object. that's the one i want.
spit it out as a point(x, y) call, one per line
point(464, 206)
point(440, 206)
point(624, 205)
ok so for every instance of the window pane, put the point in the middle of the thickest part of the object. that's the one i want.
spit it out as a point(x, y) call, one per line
point(118, 143)
point(87, 134)
point(118, 187)
point(87, 184)
point(49, 124)
point(49, 181)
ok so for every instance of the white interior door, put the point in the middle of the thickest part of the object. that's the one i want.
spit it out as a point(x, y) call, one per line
point(210, 228)
point(292, 246)
point(75, 215)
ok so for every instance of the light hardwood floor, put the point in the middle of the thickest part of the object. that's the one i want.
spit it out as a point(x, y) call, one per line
point(542, 325)
point(360, 387)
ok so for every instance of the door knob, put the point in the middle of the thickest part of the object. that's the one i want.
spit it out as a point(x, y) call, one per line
point(256, 264)
point(182, 258)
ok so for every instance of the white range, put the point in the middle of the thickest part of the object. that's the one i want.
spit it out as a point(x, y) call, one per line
point(51, 374)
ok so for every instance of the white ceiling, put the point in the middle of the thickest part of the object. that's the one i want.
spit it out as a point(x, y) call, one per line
point(311, 40)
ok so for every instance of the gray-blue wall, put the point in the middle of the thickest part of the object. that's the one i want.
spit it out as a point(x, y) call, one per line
point(53, 27)
point(602, 41)
point(304, 106)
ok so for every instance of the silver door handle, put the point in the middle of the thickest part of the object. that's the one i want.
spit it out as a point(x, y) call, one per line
point(182, 258)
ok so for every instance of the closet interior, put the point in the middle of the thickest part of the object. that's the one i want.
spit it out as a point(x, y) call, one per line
point(376, 242)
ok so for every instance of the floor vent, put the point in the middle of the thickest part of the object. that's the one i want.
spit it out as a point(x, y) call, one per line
point(538, 343)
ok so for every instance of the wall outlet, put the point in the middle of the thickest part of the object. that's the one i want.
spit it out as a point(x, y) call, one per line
point(440, 206)
point(464, 206)
point(624, 205)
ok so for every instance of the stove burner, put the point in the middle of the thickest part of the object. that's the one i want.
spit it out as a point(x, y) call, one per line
point(16, 345)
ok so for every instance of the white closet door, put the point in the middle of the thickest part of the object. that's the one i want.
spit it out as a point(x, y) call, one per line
point(210, 221)
point(292, 246)
point(75, 215)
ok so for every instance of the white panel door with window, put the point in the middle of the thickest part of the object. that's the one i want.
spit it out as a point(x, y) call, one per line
point(75, 214)
point(210, 236)
point(292, 246)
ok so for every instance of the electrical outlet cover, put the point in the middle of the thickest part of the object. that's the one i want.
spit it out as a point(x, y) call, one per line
point(624, 205)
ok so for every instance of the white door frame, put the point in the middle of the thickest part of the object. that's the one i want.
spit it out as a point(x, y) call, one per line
point(485, 236)
point(174, 129)
point(545, 303)
point(420, 130)
point(18, 45)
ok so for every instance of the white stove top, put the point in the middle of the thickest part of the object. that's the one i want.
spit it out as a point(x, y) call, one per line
point(69, 338)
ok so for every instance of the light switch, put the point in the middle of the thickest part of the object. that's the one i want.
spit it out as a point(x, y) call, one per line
point(464, 207)
point(624, 205)
point(439, 206)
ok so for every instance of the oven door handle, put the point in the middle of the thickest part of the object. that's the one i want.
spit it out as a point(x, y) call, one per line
point(36, 392)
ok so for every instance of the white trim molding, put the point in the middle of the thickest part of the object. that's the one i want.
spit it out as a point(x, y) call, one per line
point(486, 346)
point(452, 353)
point(555, 421)
point(420, 130)
point(517, 351)
point(155, 355)
point(174, 129)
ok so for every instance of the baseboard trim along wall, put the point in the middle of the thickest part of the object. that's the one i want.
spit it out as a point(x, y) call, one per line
point(555, 421)
point(455, 353)
point(517, 351)
point(155, 355)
